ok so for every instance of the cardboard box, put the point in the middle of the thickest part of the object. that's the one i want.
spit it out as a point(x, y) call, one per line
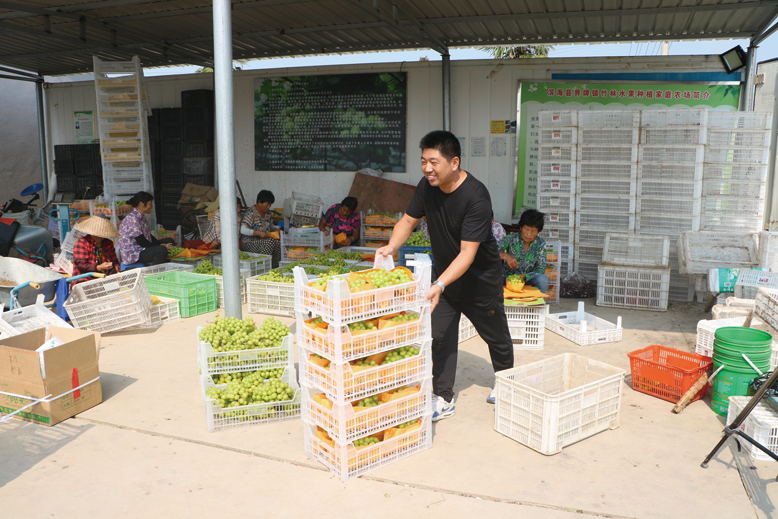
point(193, 194)
point(55, 372)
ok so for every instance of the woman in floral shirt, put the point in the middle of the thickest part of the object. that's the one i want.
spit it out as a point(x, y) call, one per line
point(256, 226)
point(343, 217)
point(525, 253)
point(137, 244)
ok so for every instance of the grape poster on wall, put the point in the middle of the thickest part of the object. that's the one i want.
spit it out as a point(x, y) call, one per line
point(560, 95)
point(341, 122)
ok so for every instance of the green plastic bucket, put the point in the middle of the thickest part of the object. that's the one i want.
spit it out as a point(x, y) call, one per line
point(730, 381)
point(733, 380)
point(745, 340)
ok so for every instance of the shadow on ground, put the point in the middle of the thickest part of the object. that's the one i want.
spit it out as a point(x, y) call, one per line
point(114, 383)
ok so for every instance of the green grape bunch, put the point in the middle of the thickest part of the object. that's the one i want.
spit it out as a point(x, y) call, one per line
point(251, 389)
point(231, 334)
point(174, 251)
point(418, 239)
point(370, 401)
point(401, 354)
point(364, 442)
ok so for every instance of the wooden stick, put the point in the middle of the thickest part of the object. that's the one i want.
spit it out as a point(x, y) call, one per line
point(698, 384)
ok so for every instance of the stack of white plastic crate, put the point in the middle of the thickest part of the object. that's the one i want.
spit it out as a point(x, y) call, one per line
point(672, 147)
point(310, 243)
point(607, 177)
point(366, 376)
point(634, 272)
point(554, 255)
point(735, 171)
point(302, 210)
point(557, 174)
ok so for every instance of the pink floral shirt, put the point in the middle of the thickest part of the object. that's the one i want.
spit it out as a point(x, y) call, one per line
point(133, 225)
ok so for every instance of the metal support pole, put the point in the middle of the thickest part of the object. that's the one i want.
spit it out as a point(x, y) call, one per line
point(446, 66)
point(42, 141)
point(747, 99)
point(225, 154)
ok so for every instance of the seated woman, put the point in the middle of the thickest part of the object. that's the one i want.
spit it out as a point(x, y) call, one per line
point(137, 244)
point(256, 227)
point(94, 252)
point(213, 234)
point(524, 253)
point(343, 218)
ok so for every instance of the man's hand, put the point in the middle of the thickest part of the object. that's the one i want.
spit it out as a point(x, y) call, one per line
point(433, 296)
point(386, 250)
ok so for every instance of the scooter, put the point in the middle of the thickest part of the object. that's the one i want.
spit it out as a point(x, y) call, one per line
point(29, 242)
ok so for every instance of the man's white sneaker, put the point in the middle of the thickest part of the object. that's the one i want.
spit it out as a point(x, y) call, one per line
point(442, 408)
point(492, 396)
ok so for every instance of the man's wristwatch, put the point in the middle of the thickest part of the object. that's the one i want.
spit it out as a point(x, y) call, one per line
point(441, 284)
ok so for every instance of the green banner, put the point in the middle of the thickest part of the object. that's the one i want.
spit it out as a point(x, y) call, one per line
point(553, 95)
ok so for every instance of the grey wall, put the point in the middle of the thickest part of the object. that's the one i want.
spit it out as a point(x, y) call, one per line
point(19, 158)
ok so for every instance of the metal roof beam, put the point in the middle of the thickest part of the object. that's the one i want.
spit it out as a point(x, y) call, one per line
point(764, 32)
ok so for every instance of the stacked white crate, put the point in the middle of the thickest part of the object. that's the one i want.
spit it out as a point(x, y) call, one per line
point(554, 253)
point(735, 171)
point(302, 209)
point(672, 147)
point(349, 439)
point(606, 183)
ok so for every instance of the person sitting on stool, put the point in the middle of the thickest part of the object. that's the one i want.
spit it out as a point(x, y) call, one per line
point(524, 252)
point(137, 244)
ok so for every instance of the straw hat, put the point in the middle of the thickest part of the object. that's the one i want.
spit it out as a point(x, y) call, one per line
point(98, 226)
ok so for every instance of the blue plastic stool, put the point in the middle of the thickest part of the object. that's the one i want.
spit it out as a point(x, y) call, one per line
point(123, 267)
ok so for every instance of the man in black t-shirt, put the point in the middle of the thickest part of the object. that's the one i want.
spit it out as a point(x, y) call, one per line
point(459, 218)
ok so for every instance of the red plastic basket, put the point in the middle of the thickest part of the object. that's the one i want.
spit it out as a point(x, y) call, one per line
point(667, 373)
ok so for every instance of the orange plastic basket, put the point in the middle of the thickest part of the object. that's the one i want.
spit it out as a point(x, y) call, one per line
point(667, 373)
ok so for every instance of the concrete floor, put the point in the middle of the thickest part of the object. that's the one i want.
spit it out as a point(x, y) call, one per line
point(145, 451)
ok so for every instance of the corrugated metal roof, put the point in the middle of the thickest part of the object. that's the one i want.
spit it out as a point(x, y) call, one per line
point(59, 37)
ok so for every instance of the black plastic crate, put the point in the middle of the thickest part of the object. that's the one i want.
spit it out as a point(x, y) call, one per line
point(198, 167)
point(66, 184)
point(197, 148)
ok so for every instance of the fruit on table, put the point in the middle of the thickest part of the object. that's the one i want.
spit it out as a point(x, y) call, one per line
point(418, 239)
point(231, 333)
point(341, 238)
point(514, 283)
point(206, 267)
point(251, 389)
point(174, 251)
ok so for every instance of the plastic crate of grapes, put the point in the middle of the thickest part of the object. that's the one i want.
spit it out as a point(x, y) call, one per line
point(349, 298)
point(344, 382)
point(356, 340)
point(255, 264)
point(369, 415)
point(269, 400)
point(112, 303)
point(269, 349)
point(354, 458)
point(268, 294)
point(196, 293)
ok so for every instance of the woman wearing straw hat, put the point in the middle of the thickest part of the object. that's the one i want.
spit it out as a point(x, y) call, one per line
point(94, 252)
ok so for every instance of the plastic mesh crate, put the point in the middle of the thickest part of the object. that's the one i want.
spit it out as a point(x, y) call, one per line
point(739, 138)
point(376, 233)
point(166, 267)
point(620, 188)
point(672, 136)
point(588, 253)
point(344, 382)
point(750, 281)
point(213, 362)
point(220, 418)
point(667, 373)
point(605, 204)
point(583, 328)
point(339, 344)
point(557, 169)
point(766, 306)
point(649, 223)
point(608, 154)
point(558, 136)
point(735, 172)
point(466, 329)
point(556, 202)
point(587, 270)
point(737, 155)
point(633, 287)
point(734, 188)
point(196, 293)
point(551, 186)
point(550, 404)
point(166, 310)
point(382, 219)
point(607, 171)
point(557, 119)
point(556, 233)
point(28, 318)
point(527, 325)
point(670, 118)
point(607, 136)
point(590, 238)
point(739, 120)
point(302, 247)
point(255, 264)
point(634, 250)
point(270, 297)
point(347, 422)
point(665, 189)
point(761, 424)
point(691, 173)
point(561, 219)
point(732, 205)
point(112, 303)
point(554, 255)
point(609, 119)
point(669, 207)
point(598, 221)
point(706, 334)
point(347, 461)
point(557, 153)
point(673, 155)
point(730, 222)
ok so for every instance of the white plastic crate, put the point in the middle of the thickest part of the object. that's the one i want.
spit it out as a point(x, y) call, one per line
point(556, 202)
point(761, 424)
point(672, 136)
point(558, 136)
point(649, 223)
point(706, 334)
point(70, 240)
point(729, 222)
point(554, 256)
point(311, 245)
point(166, 267)
point(638, 251)
point(551, 186)
point(688, 208)
point(552, 403)
point(221, 418)
point(739, 120)
point(344, 382)
point(372, 232)
point(166, 310)
point(675, 117)
point(347, 422)
point(244, 275)
point(583, 328)
point(671, 172)
point(557, 119)
point(672, 155)
point(750, 281)
point(466, 329)
point(609, 119)
point(588, 253)
point(339, 344)
point(739, 138)
point(666, 189)
point(596, 186)
point(732, 205)
point(527, 325)
point(28, 318)
point(270, 297)
point(633, 287)
point(589, 238)
point(338, 305)
point(587, 270)
point(730, 188)
point(608, 136)
point(112, 303)
point(556, 233)
point(557, 153)
point(6, 330)
point(560, 219)
point(557, 169)
point(737, 155)
point(681, 288)
point(605, 204)
point(768, 250)
point(348, 461)
point(735, 172)
point(257, 264)
point(213, 362)
point(607, 171)
point(601, 154)
point(598, 221)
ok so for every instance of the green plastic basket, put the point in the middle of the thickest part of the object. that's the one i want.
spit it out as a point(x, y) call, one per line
point(196, 293)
